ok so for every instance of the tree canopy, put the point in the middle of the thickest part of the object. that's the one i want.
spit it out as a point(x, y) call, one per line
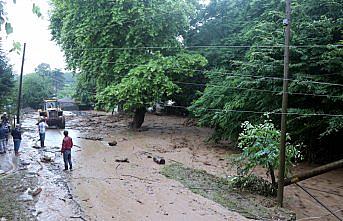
point(6, 81)
point(123, 46)
point(134, 53)
point(249, 78)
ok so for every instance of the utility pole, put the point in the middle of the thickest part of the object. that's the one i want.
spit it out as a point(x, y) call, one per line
point(20, 86)
point(281, 182)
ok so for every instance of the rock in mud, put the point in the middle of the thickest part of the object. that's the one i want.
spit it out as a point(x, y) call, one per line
point(2, 172)
point(159, 160)
point(47, 159)
point(112, 143)
point(25, 197)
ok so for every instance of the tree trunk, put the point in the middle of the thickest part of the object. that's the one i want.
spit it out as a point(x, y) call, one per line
point(272, 175)
point(138, 118)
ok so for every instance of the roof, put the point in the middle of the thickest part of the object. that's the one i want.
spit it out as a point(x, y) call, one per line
point(66, 100)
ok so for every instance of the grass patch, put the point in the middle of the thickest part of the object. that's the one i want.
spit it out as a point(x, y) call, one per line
point(222, 191)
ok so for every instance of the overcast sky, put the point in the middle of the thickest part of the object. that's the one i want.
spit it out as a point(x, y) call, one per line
point(34, 31)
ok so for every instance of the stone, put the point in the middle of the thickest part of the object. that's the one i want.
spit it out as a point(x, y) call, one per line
point(112, 143)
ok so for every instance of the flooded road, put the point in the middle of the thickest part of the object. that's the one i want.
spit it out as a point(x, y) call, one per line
point(99, 188)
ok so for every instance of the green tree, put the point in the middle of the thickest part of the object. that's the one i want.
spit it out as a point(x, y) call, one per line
point(150, 83)
point(35, 89)
point(6, 81)
point(260, 147)
point(257, 26)
point(112, 43)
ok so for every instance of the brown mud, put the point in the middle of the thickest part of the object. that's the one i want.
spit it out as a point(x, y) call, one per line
point(99, 188)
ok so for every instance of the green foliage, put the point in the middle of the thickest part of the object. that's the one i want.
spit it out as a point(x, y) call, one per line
point(254, 184)
point(56, 76)
point(260, 144)
point(150, 83)
point(36, 88)
point(6, 81)
point(116, 48)
point(259, 23)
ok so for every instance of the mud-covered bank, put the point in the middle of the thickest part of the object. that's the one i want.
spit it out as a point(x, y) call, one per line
point(36, 168)
point(15, 204)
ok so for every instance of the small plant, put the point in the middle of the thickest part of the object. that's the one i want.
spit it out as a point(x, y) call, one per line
point(260, 144)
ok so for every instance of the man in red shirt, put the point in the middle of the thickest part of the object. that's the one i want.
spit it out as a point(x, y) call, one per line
point(67, 144)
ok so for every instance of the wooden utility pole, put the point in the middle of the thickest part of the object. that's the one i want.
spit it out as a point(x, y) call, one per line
point(314, 172)
point(20, 85)
point(287, 24)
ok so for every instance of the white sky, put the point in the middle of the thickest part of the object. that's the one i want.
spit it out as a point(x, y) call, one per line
point(34, 31)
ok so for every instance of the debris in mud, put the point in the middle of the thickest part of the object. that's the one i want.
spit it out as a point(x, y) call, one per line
point(190, 122)
point(125, 160)
point(35, 191)
point(91, 138)
point(25, 163)
point(112, 143)
point(47, 159)
point(36, 146)
point(159, 160)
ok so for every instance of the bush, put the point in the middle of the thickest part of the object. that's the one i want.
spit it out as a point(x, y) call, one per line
point(260, 144)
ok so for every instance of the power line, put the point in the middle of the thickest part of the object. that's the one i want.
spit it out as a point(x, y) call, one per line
point(261, 77)
point(259, 90)
point(318, 201)
point(200, 46)
point(258, 112)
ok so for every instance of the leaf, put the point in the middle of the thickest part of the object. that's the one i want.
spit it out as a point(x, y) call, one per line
point(16, 47)
point(8, 28)
point(36, 10)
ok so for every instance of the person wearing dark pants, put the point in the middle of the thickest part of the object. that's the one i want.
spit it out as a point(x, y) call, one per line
point(67, 144)
point(41, 129)
point(16, 134)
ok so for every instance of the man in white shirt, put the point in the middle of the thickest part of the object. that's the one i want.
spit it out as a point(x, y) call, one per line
point(41, 129)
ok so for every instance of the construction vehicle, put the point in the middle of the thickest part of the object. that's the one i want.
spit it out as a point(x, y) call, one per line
point(52, 113)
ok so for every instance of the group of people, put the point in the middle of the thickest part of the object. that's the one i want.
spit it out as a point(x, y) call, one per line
point(67, 143)
point(5, 130)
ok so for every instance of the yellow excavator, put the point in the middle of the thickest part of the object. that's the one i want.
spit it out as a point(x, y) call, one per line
point(52, 113)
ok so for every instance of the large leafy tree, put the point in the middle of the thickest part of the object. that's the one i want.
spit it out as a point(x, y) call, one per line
point(117, 44)
point(56, 76)
point(249, 77)
point(36, 88)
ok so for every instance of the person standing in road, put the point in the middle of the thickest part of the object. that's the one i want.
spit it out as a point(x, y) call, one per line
point(4, 118)
point(41, 129)
point(67, 144)
point(3, 146)
point(16, 134)
point(7, 128)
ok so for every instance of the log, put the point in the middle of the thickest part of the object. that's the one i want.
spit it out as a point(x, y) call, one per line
point(159, 160)
point(314, 172)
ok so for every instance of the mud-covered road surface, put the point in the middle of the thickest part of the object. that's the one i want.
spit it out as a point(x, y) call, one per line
point(99, 188)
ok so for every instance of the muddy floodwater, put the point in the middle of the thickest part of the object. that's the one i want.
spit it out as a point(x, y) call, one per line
point(122, 182)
